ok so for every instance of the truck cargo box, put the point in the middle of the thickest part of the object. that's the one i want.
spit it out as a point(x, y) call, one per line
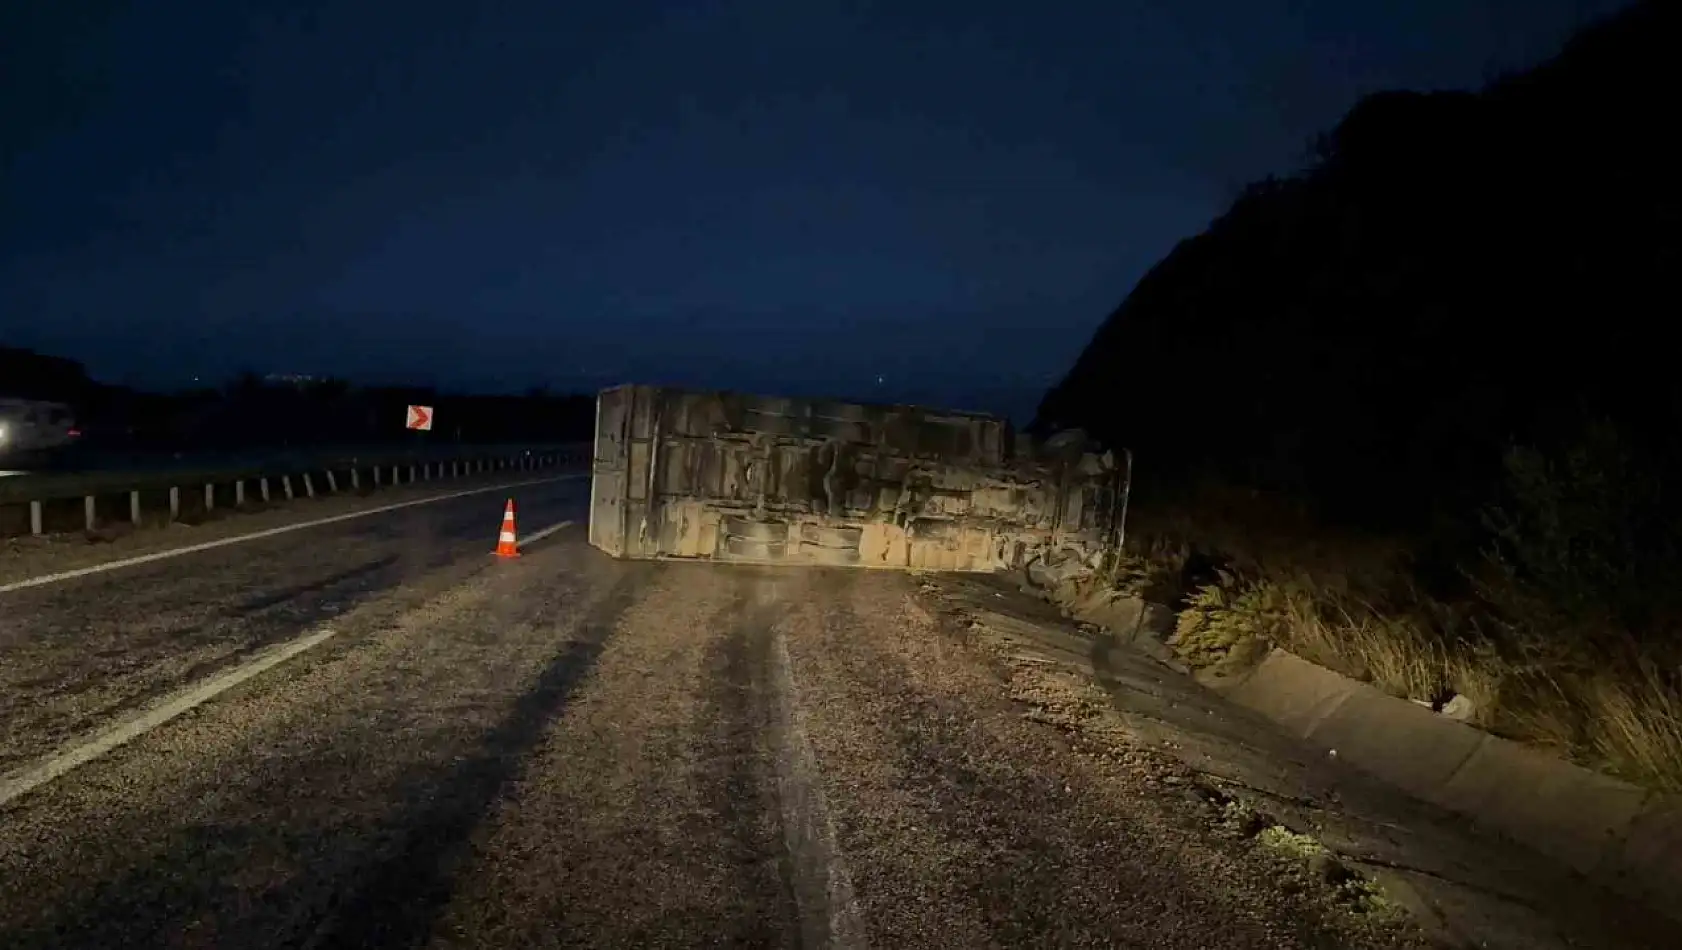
point(756, 479)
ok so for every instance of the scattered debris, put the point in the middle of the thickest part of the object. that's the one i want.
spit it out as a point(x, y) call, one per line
point(1460, 708)
point(1073, 705)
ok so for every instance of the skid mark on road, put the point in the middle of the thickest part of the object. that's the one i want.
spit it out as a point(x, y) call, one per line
point(403, 895)
point(611, 835)
point(737, 778)
point(281, 596)
point(822, 884)
point(762, 778)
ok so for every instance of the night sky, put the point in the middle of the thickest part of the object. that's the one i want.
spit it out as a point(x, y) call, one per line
point(780, 196)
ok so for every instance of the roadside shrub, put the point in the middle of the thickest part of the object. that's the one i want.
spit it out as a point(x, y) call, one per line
point(1233, 622)
point(1569, 639)
point(1148, 569)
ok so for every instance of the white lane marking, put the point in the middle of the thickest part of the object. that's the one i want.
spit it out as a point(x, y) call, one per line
point(32, 777)
point(269, 533)
point(543, 533)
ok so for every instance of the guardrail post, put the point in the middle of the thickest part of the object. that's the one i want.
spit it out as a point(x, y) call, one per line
point(286, 483)
point(376, 476)
point(209, 497)
point(263, 488)
point(35, 517)
point(355, 481)
point(239, 493)
point(395, 481)
point(309, 486)
point(426, 472)
point(88, 518)
point(332, 483)
point(134, 507)
point(411, 473)
point(175, 503)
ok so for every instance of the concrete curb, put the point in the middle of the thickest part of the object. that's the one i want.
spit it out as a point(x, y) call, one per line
point(1619, 834)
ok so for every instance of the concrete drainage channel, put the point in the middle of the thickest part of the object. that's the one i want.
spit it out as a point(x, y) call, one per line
point(154, 502)
point(1608, 830)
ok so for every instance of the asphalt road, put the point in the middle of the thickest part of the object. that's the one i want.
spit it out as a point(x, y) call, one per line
point(566, 750)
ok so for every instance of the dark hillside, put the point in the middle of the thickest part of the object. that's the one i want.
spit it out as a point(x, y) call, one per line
point(1455, 273)
point(1416, 412)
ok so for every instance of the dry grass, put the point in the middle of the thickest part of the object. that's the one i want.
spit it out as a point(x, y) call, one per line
point(1567, 634)
point(1149, 569)
point(1243, 617)
point(1639, 718)
point(1621, 713)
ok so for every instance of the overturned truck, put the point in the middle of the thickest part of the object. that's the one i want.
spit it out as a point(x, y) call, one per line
point(731, 477)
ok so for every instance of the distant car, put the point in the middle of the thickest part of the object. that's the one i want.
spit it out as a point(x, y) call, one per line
point(31, 429)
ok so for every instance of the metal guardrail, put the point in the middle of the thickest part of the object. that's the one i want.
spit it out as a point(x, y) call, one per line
point(116, 470)
point(70, 502)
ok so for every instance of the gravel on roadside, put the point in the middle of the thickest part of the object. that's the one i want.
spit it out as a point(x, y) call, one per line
point(966, 823)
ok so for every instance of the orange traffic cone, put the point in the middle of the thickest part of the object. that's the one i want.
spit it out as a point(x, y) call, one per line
point(505, 544)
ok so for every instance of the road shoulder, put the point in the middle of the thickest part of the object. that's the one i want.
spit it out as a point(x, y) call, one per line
point(1461, 885)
